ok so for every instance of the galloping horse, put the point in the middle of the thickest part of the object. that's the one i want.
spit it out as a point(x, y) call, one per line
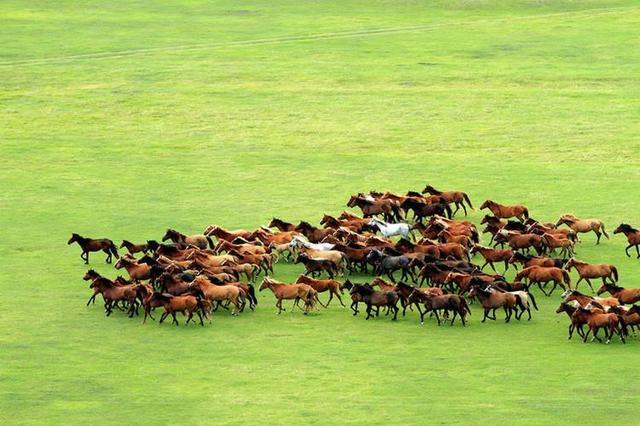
point(456, 197)
point(370, 207)
point(504, 212)
point(446, 302)
point(332, 286)
point(393, 229)
point(628, 296)
point(587, 271)
point(197, 240)
point(584, 225)
point(633, 237)
point(491, 300)
point(134, 248)
point(89, 244)
point(281, 225)
point(296, 292)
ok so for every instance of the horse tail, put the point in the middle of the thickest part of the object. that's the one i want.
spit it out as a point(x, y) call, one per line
point(603, 230)
point(623, 326)
point(525, 213)
point(475, 237)
point(252, 294)
point(211, 244)
point(533, 300)
point(614, 270)
point(566, 277)
point(466, 198)
point(113, 249)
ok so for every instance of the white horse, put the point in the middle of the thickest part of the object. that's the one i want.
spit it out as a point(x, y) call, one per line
point(298, 242)
point(391, 229)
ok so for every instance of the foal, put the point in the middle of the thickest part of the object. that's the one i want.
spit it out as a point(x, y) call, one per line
point(88, 245)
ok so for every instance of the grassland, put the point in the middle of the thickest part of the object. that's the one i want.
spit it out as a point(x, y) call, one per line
point(121, 119)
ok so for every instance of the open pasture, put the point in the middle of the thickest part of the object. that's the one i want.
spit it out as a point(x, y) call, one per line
point(120, 121)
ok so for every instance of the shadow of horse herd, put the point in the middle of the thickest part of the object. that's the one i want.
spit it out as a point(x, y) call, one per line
point(415, 236)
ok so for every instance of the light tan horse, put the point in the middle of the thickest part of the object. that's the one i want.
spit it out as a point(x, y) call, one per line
point(502, 211)
point(295, 292)
point(220, 293)
point(583, 225)
point(588, 271)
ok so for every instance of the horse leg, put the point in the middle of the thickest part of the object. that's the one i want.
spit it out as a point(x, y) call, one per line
point(571, 328)
point(598, 235)
point(92, 299)
point(507, 313)
point(108, 253)
point(486, 314)
point(453, 318)
point(173, 314)
point(339, 299)
point(354, 308)
point(578, 282)
point(626, 250)
point(86, 257)
point(590, 286)
point(368, 312)
point(164, 315)
point(637, 250)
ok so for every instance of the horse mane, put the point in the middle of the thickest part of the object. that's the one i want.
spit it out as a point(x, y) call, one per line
point(628, 227)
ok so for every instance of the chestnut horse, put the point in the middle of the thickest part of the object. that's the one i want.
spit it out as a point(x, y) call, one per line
point(543, 274)
point(137, 271)
point(491, 300)
point(334, 287)
point(627, 296)
point(633, 237)
point(89, 244)
point(187, 304)
point(370, 208)
point(576, 323)
point(584, 300)
point(221, 233)
point(596, 320)
point(491, 255)
point(588, 271)
point(219, 293)
point(134, 248)
point(584, 225)
point(504, 212)
point(296, 292)
point(456, 197)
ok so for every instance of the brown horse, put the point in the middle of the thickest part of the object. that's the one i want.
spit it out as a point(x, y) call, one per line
point(224, 245)
point(224, 234)
point(197, 240)
point(633, 237)
point(315, 267)
point(504, 212)
point(596, 320)
point(584, 225)
point(588, 271)
point(187, 304)
point(375, 298)
point(521, 241)
point(134, 248)
point(543, 274)
point(297, 292)
point(491, 256)
point(221, 293)
point(281, 225)
point(137, 271)
point(446, 302)
point(584, 300)
point(627, 296)
point(491, 300)
point(456, 197)
point(113, 293)
point(332, 286)
point(553, 242)
point(576, 322)
point(89, 244)
point(313, 234)
point(387, 208)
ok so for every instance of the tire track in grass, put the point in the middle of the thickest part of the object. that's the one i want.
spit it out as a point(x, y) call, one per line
point(308, 37)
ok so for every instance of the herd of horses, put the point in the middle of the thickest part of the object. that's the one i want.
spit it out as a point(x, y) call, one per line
point(420, 255)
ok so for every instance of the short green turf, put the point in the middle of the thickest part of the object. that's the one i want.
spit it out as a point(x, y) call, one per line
point(120, 119)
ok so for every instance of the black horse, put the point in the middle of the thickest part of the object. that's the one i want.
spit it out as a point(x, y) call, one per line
point(385, 264)
point(422, 210)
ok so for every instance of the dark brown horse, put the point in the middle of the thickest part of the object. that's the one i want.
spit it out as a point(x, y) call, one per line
point(370, 208)
point(456, 197)
point(633, 237)
point(378, 299)
point(89, 244)
point(447, 302)
point(281, 225)
point(313, 234)
point(491, 299)
point(504, 212)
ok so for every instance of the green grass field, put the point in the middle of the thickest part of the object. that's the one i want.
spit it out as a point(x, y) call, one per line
point(121, 119)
